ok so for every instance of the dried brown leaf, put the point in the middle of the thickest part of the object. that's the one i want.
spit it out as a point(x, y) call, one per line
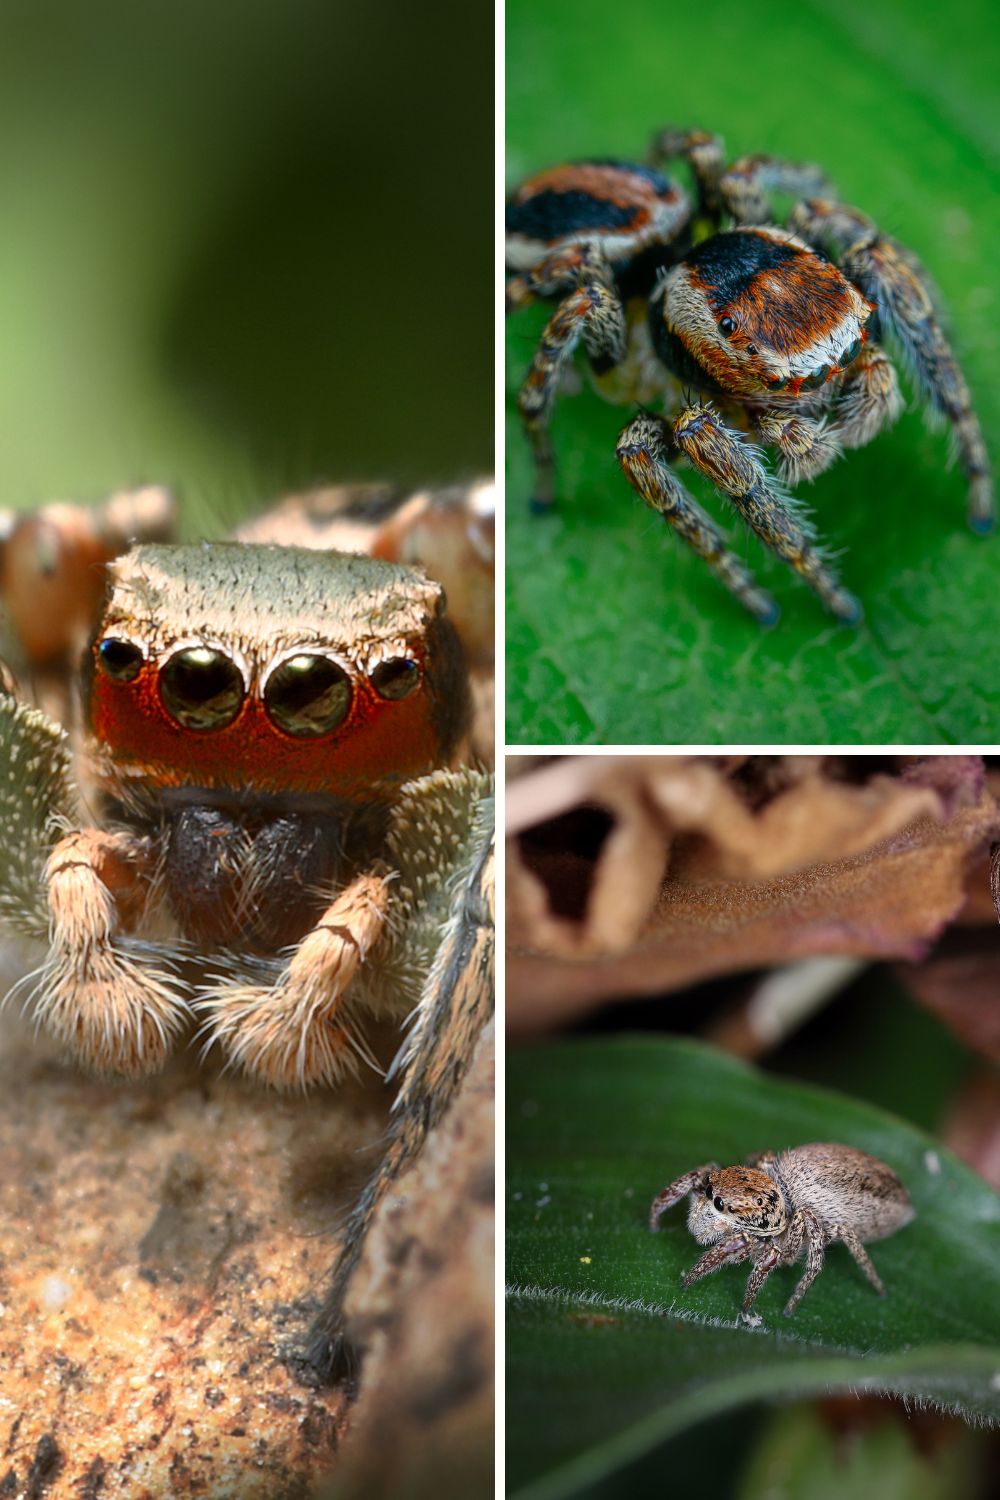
point(766, 861)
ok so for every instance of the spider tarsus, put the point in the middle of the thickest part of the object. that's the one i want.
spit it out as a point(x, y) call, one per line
point(767, 612)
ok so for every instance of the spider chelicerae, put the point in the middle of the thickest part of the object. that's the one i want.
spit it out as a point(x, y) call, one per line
point(753, 334)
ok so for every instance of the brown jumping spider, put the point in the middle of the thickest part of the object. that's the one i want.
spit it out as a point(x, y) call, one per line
point(753, 331)
point(780, 1204)
point(272, 827)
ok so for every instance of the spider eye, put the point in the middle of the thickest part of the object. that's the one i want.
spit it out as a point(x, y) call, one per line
point(307, 695)
point(727, 327)
point(719, 1204)
point(751, 348)
point(202, 688)
point(120, 660)
point(396, 678)
point(816, 378)
point(777, 384)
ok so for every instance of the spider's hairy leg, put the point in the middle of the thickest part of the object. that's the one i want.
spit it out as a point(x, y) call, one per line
point(804, 1227)
point(704, 154)
point(294, 1032)
point(735, 467)
point(116, 1014)
point(870, 400)
point(591, 310)
point(860, 1254)
point(806, 446)
point(455, 1005)
point(644, 448)
point(731, 1252)
point(771, 1258)
point(746, 186)
point(562, 269)
point(677, 1190)
point(891, 276)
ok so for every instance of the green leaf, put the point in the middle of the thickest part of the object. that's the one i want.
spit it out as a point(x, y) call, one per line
point(607, 1356)
point(616, 633)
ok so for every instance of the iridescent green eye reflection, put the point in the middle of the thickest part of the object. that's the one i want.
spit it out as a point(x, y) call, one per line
point(307, 695)
point(201, 688)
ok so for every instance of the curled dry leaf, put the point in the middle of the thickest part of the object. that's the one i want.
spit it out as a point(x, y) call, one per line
point(634, 875)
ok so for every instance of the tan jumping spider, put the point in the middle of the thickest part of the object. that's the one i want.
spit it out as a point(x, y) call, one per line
point(272, 827)
point(781, 1204)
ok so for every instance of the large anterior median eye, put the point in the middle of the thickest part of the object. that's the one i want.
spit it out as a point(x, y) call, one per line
point(307, 695)
point(201, 688)
point(119, 660)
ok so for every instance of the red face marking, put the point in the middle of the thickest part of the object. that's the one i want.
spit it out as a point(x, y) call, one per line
point(380, 740)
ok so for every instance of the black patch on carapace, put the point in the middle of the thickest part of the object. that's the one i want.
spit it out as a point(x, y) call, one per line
point(675, 356)
point(548, 215)
point(728, 262)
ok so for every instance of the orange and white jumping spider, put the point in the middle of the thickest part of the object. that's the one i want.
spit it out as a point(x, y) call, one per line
point(275, 825)
point(751, 333)
point(783, 1204)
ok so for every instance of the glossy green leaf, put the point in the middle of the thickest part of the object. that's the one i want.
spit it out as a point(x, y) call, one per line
point(616, 633)
point(607, 1355)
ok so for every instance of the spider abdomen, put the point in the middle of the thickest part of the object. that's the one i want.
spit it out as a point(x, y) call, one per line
point(618, 206)
point(845, 1186)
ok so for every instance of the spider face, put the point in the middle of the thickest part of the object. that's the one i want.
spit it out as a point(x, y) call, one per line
point(283, 670)
point(755, 313)
point(736, 1197)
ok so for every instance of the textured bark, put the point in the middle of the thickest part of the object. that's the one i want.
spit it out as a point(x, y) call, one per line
point(421, 1312)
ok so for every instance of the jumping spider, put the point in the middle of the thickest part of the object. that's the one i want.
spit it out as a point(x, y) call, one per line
point(783, 1203)
point(747, 331)
point(273, 827)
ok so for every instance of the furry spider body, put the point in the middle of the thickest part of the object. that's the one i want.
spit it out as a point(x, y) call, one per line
point(781, 1205)
point(281, 835)
point(754, 335)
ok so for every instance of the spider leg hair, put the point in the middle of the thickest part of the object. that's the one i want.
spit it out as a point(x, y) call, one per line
point(591, 310)
point(736, 467)
point(677, 1190)
point(890, 275)
point(644, 448)
point(297, 1031)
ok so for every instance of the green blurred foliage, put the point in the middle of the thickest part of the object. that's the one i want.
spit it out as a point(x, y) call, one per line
point(616, 633)
point(235, 246)
point(800, 1457)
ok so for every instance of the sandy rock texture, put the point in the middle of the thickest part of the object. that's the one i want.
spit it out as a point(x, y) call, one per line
point(162, 1247)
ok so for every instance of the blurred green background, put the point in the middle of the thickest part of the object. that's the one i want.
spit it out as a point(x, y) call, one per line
point(616, 633)
point(243, 246)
